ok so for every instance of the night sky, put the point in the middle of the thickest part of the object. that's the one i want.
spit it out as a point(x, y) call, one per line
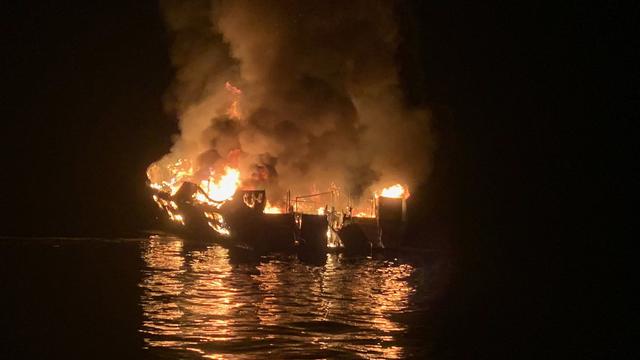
point(84, 116)
point(521, 97)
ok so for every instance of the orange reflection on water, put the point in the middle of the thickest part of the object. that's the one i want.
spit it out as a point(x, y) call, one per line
point(186, 297)
point(197, 304)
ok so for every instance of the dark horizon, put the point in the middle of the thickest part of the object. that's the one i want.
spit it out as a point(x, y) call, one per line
point(521, 100)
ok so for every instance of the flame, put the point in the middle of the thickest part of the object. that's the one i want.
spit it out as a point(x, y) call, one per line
point(214, 190)
point(269, 209)
point(217, 223)
point(232, 89)
point(181, 171)
point(320, 210)
point(363, 214)
point(234, 108)
point(223, 189)
point(396, 191)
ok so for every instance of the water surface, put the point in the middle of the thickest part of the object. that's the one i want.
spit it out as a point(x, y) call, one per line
point(162, 297)
point(200, 303)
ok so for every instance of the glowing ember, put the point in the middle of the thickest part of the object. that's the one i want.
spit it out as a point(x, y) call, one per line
point(269, 209)
point(396, 191)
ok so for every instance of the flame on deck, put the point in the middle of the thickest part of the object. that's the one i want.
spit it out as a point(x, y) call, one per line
point(270, 209)
point(217, 223)
point(363, 214)
point(212, 192)
point(224, 188)
point(396, 191)
point(216, 187)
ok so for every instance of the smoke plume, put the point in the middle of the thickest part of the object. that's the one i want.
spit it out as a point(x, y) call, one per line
point(299, 95)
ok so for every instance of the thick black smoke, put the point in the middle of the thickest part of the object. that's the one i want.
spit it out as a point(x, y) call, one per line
point(320, 103)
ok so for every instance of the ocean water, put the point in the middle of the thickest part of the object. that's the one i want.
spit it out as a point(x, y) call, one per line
point(162, 297)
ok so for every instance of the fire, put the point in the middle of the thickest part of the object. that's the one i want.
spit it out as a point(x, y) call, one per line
point(213, 190)
point(181, 171)
point(216, 188)
point(363, 214)
point(217, 223)
point(224, 188)
point(269, 209)
point(170, 207)
point(395, 191)
point(234, 108)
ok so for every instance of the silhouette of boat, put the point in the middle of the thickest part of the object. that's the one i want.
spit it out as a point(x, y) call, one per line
point(241, 224)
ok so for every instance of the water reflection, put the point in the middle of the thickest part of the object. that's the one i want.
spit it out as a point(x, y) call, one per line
point(196, 303)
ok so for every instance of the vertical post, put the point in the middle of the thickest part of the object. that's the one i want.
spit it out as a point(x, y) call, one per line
point(288, 200)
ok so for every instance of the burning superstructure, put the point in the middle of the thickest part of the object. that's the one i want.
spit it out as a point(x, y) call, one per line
point(223, 213)
point(297, 102)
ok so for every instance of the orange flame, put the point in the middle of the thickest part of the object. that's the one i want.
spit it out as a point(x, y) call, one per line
point(216, 188)
point(269, 209)
point(213, 190)
point(234, 108)
point(396, 191)
point(363, 214)
point(224, 188)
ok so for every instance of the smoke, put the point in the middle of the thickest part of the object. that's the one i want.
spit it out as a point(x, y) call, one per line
point(321, 103)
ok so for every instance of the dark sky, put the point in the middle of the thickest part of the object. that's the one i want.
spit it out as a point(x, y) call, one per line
point(83, 115)
point(521, 93)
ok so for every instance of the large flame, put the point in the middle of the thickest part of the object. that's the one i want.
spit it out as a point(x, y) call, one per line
point(216, 187)
point(180, 171)
point(224, 188)
point(396, 191)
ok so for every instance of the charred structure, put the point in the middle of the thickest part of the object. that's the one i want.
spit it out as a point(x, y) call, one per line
point(279, 99)
point(241, 222)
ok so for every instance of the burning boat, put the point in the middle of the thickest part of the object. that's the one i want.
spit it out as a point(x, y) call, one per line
point(363, 232)
point(205, 198)
point(217, 212)
point(239, 221)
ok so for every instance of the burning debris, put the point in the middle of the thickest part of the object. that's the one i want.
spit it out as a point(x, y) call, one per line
point(244, 217)
point(286, 98)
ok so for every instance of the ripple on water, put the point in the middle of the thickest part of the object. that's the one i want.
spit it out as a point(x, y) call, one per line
point(196, 304)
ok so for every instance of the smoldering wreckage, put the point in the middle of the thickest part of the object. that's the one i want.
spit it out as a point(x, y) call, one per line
point(294, 131)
